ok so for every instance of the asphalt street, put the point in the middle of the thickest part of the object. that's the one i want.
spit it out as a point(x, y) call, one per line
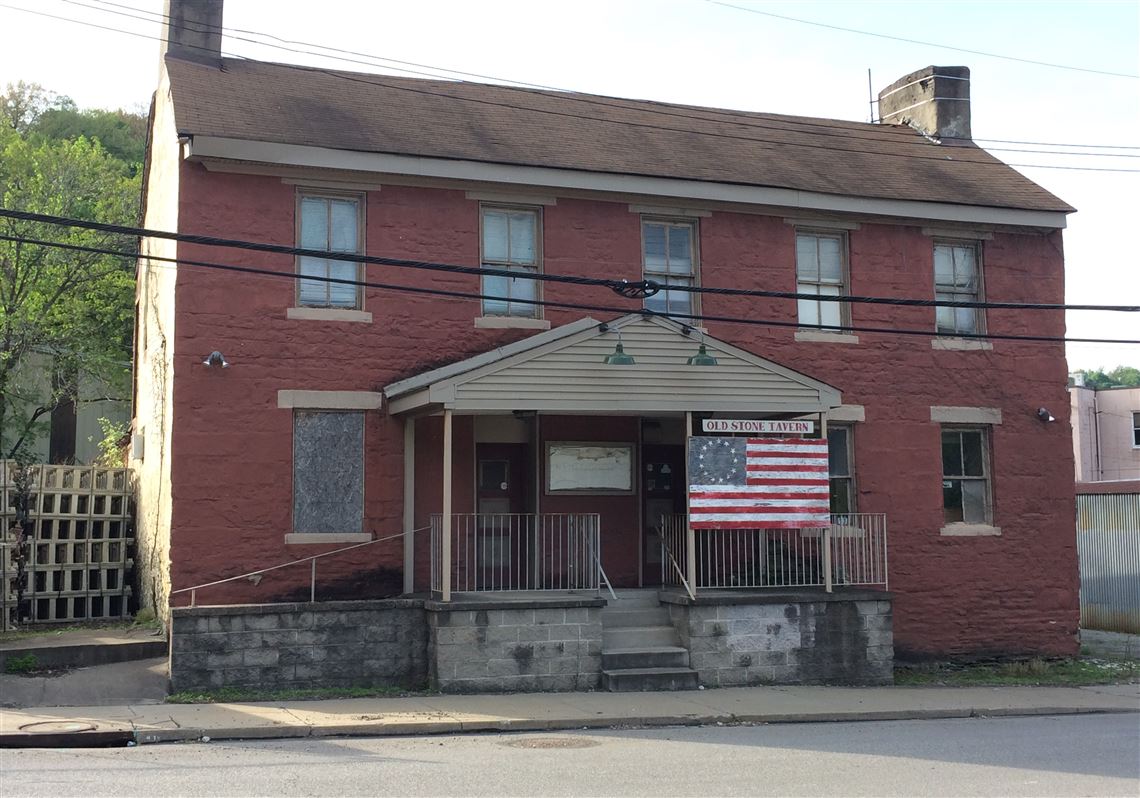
point(1070, 755)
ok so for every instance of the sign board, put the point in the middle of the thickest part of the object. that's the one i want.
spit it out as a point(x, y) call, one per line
point(756, 426)
point(590, 468)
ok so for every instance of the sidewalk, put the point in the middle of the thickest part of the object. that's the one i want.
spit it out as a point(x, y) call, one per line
point(444, 714)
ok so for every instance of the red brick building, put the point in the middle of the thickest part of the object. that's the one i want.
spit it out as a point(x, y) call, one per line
point(327, 427)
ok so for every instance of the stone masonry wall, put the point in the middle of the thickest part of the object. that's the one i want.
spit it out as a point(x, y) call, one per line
point(282, 646)
point(742, 642)
point(483, 648)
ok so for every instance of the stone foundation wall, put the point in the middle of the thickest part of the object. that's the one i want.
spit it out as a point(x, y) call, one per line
point(483, 647)
point(744, 640)
point(303, 645)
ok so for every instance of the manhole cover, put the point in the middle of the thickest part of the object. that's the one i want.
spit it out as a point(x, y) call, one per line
point(551, 742)
point(57, 726)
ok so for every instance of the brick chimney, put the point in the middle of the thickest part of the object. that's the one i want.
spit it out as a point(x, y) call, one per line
point(194, 30)
point(935, 100)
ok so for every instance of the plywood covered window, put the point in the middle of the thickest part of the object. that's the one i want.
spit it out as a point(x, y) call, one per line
point(332, 224)
point(511, 240)
point(328, 471)
point(821, 269)
point(966, 490)
point(958, 278)
point(669, 253)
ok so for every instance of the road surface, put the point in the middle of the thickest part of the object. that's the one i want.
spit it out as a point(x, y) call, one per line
point(1070, 755)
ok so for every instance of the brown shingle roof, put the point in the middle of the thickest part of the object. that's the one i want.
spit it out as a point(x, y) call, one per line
point(290, 104)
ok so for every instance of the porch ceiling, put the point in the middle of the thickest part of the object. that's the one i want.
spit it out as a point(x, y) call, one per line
point(563, 371)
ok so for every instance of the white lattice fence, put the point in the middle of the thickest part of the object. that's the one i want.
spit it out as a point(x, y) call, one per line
point(80, 547)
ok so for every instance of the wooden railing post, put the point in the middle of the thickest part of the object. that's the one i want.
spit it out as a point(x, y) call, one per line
point(445, 522)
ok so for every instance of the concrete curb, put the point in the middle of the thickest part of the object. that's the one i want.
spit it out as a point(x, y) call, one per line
point(380, 728)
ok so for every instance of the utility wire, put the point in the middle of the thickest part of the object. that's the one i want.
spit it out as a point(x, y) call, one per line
point(363, 79)
point(924, 44)
point(734, 117)
point(689, 318)
point(628, 288)
point(737, 119)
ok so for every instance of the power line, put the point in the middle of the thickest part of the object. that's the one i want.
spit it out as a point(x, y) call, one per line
point(628, 288)
point(361, 78)
point(924, 44)
point(689, 318)
point(375, 60)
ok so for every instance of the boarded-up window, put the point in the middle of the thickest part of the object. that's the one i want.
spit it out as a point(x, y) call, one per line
point(328, 471)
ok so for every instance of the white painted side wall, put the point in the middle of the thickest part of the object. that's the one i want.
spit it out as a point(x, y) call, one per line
point(154, 367)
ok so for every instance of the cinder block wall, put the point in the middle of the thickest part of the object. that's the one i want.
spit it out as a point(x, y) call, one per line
point(505, 650)
point(832, 641)
point(283, 646)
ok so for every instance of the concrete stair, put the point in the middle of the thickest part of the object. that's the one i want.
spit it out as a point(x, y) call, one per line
point(640, 647)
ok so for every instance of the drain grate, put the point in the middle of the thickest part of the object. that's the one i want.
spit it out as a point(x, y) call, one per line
point(57, 727)
point(551, 742)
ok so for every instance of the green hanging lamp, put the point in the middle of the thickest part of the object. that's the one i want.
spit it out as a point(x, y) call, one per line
point(618, 357)
point(702, 357)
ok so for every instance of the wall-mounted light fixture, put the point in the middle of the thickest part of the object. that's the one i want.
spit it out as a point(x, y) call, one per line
point(1045, 416)
point(618, 357)
point(216, 358)
point(702, 357)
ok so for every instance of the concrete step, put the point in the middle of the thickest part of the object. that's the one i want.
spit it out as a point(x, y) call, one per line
point(629, 599)
point(639, 637)
point(633, 679)
point(648, 657)
point(618, 617)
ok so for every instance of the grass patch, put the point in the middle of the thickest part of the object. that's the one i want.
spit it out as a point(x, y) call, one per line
point(25, 664)
point(226, 695)
point(1081, 671)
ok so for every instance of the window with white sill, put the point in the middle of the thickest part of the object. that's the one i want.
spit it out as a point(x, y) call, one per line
point(332, 224)
point(821, 269)
point(511, 240)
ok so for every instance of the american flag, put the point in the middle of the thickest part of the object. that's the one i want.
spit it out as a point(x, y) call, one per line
point(758, 483)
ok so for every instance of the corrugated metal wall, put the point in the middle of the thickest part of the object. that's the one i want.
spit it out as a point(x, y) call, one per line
point(1108, 541)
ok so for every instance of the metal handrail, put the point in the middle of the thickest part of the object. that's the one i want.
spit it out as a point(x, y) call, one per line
point(667, 552)
point(606, 579)
point(313, 558)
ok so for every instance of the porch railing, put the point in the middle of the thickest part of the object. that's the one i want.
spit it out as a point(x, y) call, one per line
point(518, 551)
point(852, 551)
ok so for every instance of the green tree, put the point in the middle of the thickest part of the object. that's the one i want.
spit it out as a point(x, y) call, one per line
point(122, 134)
point(1119, 377)
point(61, 311)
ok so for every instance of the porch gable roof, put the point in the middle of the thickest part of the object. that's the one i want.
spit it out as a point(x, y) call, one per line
point(563, 370)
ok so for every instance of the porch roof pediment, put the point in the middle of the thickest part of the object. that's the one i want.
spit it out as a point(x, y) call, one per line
point(563, 370)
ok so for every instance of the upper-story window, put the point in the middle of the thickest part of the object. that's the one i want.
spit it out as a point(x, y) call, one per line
point(511, 240)
point(958, 278)
point(821, 269)
point(1136, 430)
point(330, 223)
point(669, 256)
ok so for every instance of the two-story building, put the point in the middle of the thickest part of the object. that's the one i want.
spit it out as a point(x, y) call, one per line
point(519, 424)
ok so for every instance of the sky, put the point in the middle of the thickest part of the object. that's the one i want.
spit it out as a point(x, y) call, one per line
point(716, 54)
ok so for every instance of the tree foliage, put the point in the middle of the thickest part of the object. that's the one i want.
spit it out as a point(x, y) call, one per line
point(62, 313)
point(1119, 377)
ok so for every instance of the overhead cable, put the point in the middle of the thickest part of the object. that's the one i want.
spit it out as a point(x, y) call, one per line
point(629, 288)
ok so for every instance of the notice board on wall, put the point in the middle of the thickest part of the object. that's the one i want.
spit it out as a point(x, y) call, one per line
point(589, 467)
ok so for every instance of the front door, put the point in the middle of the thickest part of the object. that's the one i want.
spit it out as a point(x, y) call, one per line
point(502, 531)
point(663, 489)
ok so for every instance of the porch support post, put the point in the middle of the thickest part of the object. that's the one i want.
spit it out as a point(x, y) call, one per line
point(409, 504)
point(690, 533)
point(826, 538)
point(445, 544)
